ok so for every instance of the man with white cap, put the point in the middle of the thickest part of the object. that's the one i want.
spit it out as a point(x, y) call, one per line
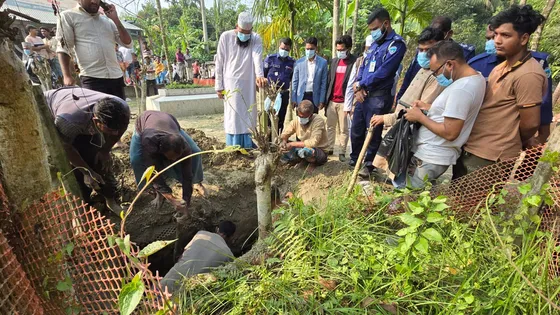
point(238, 70)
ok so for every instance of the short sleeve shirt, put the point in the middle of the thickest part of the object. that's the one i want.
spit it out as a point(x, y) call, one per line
point(495, 135)
point(461, 100)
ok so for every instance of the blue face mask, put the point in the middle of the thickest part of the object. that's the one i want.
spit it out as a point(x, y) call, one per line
point(310, 53)
point(283, 53)
point(377, 34)
point(423, 60)
point(490, 47)
point(27, 52)
point(243, 37)
point(303, 121)
point(444, 81)
point(341, 54)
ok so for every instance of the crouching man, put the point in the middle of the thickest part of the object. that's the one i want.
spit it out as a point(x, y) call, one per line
point(159, 141)
point(205, 251)
point(89, 124)
point(450, 117)
point(311, 133)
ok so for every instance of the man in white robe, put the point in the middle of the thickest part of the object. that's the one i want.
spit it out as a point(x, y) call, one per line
point(238, 72)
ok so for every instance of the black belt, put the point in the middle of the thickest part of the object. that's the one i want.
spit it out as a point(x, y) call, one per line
point(378, 93)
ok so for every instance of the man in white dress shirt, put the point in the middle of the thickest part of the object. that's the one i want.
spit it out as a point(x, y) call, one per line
point(92, 38)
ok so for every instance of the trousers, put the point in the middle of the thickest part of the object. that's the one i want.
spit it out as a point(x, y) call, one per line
point(337, 126)
point(373, 105)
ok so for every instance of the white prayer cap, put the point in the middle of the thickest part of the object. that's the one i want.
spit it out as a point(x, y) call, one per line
point(245, 21)
point(369, 41)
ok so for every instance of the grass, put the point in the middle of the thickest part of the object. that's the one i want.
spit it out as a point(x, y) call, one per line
point(351, 258)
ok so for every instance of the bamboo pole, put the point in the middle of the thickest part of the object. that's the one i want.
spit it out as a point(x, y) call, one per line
point(359, 161)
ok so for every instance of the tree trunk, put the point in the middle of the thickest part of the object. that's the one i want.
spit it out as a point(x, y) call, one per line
point(25, 171)
point(556, 95)
point(164, 38)
point(522, 2)
point(344, 9)
point(538, 33)
point(57, 159)
point(355, 20)
point(335, 20)
point(543, 172)
point(204, 26)
point(217, 19)
point(264, 167)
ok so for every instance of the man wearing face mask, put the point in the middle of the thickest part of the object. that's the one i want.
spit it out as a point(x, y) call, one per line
point(424, 88)
point(336, 111)
point(450, 118)
point(444, 24)
point(92, 37)
point(310, 77)
point(238, 71)
point(89, 124)
point(312, 138)
point(279, 68)
point(510, 115)
point(488, 60)
point(373, 85)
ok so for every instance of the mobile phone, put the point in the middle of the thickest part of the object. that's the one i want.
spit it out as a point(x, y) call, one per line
point(104, 5)
point(405, 104)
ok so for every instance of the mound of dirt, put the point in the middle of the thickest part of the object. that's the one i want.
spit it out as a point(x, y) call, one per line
point(229, 180)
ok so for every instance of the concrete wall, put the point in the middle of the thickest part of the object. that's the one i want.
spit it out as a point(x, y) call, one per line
point(186, 105)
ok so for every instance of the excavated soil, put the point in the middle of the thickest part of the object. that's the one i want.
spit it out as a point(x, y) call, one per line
point(229, 180)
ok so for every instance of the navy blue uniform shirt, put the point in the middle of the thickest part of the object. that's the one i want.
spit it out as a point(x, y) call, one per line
point(280, 70)
point(485, 63)
point(468, 52)
point(377, 72)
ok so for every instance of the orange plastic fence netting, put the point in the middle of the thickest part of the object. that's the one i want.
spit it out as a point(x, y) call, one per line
point(64, 252)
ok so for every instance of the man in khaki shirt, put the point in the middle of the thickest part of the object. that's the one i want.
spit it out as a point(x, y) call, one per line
point(312, 138)
point(510, 114)
point(91, 37)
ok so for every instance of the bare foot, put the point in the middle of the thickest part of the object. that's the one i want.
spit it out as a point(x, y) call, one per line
point(200, 189)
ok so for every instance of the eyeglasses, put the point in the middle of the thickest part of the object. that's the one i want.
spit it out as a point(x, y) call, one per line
point(443, 64)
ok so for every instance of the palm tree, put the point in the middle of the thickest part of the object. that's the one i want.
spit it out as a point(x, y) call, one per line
point(164, 38)
point(411, 16)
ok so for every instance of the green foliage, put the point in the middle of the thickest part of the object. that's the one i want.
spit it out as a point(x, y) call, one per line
point(343, 259)
point(130, 295)
point(153, 248)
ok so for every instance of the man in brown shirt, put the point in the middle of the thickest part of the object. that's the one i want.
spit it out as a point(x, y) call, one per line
point(311, 133)
point(510, 114)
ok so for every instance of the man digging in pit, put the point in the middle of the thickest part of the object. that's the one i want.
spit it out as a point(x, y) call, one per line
point(158, 140)
point(89, 124)
point(312, 141)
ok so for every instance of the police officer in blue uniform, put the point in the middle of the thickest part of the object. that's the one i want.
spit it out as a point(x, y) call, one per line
point(442, 23)
point(373, 85)
point(485, 63)
point(279, 68)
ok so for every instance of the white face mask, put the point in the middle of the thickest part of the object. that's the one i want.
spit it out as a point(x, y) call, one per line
point(341, 54)
point(303, 121)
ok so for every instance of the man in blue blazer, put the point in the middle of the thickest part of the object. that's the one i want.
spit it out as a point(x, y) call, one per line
point(310, 77)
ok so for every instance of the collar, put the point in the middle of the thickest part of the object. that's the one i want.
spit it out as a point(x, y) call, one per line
point(516, 66)
point(391, 35)
point(312, 61)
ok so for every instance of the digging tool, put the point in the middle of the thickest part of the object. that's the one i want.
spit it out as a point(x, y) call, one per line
point(360, 160)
